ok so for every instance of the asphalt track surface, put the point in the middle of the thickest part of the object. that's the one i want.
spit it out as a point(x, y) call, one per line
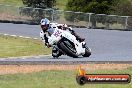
point(106, 45)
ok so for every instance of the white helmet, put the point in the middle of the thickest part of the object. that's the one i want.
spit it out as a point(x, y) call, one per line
point(44, 21)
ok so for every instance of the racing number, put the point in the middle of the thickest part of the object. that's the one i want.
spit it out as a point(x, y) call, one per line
point(56, 34)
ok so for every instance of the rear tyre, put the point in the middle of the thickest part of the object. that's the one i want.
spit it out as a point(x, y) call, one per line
point(87, 52)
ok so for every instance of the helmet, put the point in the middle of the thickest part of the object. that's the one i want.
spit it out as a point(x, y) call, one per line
point(44, 21)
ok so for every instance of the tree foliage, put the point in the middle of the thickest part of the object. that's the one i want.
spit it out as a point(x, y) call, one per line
point(93, 6)
point(119, 7)
point(39, 3)
point(88, 6)
point(122, 7)
point(36, 9)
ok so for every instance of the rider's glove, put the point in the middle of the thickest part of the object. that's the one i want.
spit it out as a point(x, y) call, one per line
point(48, 45)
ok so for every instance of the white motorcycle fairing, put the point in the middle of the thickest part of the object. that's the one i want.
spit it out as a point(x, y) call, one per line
point(59, 34)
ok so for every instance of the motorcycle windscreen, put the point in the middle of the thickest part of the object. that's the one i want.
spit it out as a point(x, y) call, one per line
point(51, 31)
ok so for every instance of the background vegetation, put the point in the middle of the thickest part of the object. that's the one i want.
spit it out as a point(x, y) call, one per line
point(39, 3)
point(122, 7)
point(118, 7)
point(93, 6)
point(12, 2)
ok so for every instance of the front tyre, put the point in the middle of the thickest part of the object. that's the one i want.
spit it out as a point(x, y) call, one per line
point(68, 48)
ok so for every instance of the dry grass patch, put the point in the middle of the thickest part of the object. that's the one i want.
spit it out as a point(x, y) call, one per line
point(13, 69)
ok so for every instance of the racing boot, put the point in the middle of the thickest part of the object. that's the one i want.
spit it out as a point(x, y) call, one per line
point(56, 52)
point(77, 36)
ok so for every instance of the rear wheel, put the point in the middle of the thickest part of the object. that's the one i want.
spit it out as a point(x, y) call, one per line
point(68, 47)
point(87, 52)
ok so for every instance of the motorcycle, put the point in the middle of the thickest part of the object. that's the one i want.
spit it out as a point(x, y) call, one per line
point(64, 43)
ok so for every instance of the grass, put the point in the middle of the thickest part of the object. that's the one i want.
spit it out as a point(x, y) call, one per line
point(13, 47)
point(59, 3)
point(12, 2)
point(57, 79)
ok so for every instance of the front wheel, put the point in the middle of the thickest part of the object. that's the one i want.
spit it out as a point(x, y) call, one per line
point(68, 48)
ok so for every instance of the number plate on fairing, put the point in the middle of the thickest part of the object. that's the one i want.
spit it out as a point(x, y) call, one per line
point(57, 33)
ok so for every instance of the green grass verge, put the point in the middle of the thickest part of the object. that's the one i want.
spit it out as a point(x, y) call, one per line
point(57, 79)
point(59, 3)
point(12, 2)
point(13, 47)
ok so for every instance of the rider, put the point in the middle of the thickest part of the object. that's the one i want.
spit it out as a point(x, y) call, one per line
point(48, 30)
